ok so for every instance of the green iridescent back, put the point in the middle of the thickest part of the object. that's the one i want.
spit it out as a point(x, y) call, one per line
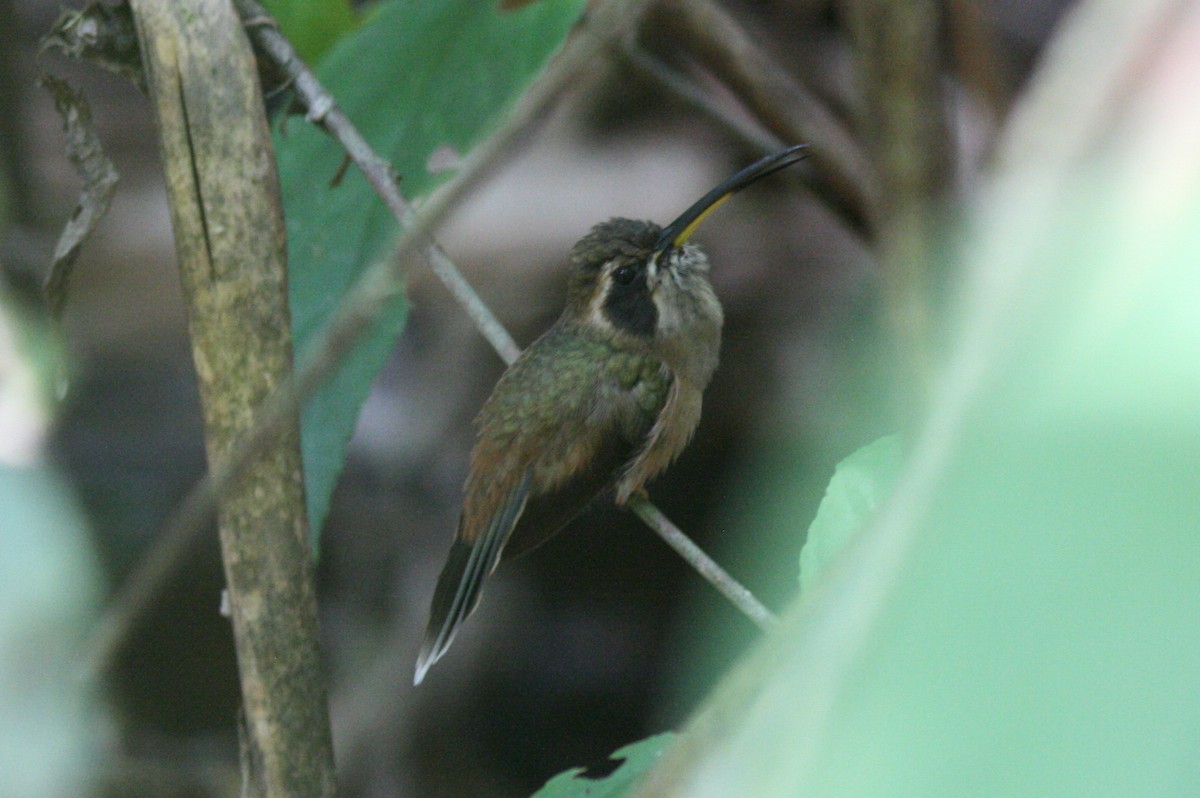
point(554, 384)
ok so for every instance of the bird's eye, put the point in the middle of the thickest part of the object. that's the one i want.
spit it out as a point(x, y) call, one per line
point(624, 275)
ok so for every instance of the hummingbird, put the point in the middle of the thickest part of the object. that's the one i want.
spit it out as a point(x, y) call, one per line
point(603, 401)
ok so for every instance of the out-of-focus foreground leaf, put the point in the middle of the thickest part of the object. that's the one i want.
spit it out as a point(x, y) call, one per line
point(1021, 617)
point(48, 589)
point(629, 763)
point(860, 484)
point(417, 77)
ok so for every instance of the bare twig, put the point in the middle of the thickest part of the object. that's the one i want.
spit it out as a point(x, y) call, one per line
point(717, 576)
point(846, 178)
point(681, 85)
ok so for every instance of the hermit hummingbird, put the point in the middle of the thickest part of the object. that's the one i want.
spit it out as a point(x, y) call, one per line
point(603, 401)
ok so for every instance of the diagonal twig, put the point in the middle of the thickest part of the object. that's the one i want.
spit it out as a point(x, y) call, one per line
point(717, 576)
point(846, 178)
point(688, 90)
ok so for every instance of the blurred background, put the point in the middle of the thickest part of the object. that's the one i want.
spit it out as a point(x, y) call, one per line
point(603, 635)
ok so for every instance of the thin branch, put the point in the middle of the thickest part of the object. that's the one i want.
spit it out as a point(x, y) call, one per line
point(324, 111)
point(378, 284)
point(686, 89)
point(717, 576)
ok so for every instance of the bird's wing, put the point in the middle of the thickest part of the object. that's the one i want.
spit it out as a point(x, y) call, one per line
point(587, 435)
point(546, 513)
point(538, 464)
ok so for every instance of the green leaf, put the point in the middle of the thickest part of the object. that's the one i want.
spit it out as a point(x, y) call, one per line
point(635, 759)
point(50, 735)
point(313, 26)
point(1021, 618)
point(859, 485)
point(417, 77)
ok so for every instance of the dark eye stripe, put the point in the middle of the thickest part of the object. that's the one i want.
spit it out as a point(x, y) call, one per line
point(629, 305)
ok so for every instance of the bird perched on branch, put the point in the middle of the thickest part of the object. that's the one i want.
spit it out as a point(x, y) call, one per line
point(606, 399)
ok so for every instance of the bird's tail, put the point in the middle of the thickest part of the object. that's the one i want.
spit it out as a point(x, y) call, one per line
point(461, 581)
point(455, 597)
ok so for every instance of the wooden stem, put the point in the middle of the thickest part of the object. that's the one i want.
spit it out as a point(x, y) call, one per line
point(229, 234)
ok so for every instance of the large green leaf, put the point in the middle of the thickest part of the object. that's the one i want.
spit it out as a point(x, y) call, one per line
point(416, 77)
point(629, 763)
point(1023, 615)
point(49, 722)
point(50, 725)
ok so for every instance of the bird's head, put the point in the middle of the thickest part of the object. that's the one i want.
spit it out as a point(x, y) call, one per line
point(644, 282)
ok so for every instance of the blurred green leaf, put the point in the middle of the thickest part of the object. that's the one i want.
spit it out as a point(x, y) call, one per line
point(418, 77)
point(634, 760)
point(1021, 618)
point(48, 589)
point(49, 722)
point(313, 26)
point(859, 485)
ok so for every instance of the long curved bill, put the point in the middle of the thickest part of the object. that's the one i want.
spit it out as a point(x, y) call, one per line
point(678, 231)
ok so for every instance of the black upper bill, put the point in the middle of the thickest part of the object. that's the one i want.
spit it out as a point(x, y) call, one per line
point(678, 231)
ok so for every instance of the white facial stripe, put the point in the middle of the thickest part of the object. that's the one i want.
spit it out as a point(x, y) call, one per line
point(595, 314)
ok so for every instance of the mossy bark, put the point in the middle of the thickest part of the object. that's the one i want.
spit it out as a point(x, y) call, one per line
point(230, 241)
